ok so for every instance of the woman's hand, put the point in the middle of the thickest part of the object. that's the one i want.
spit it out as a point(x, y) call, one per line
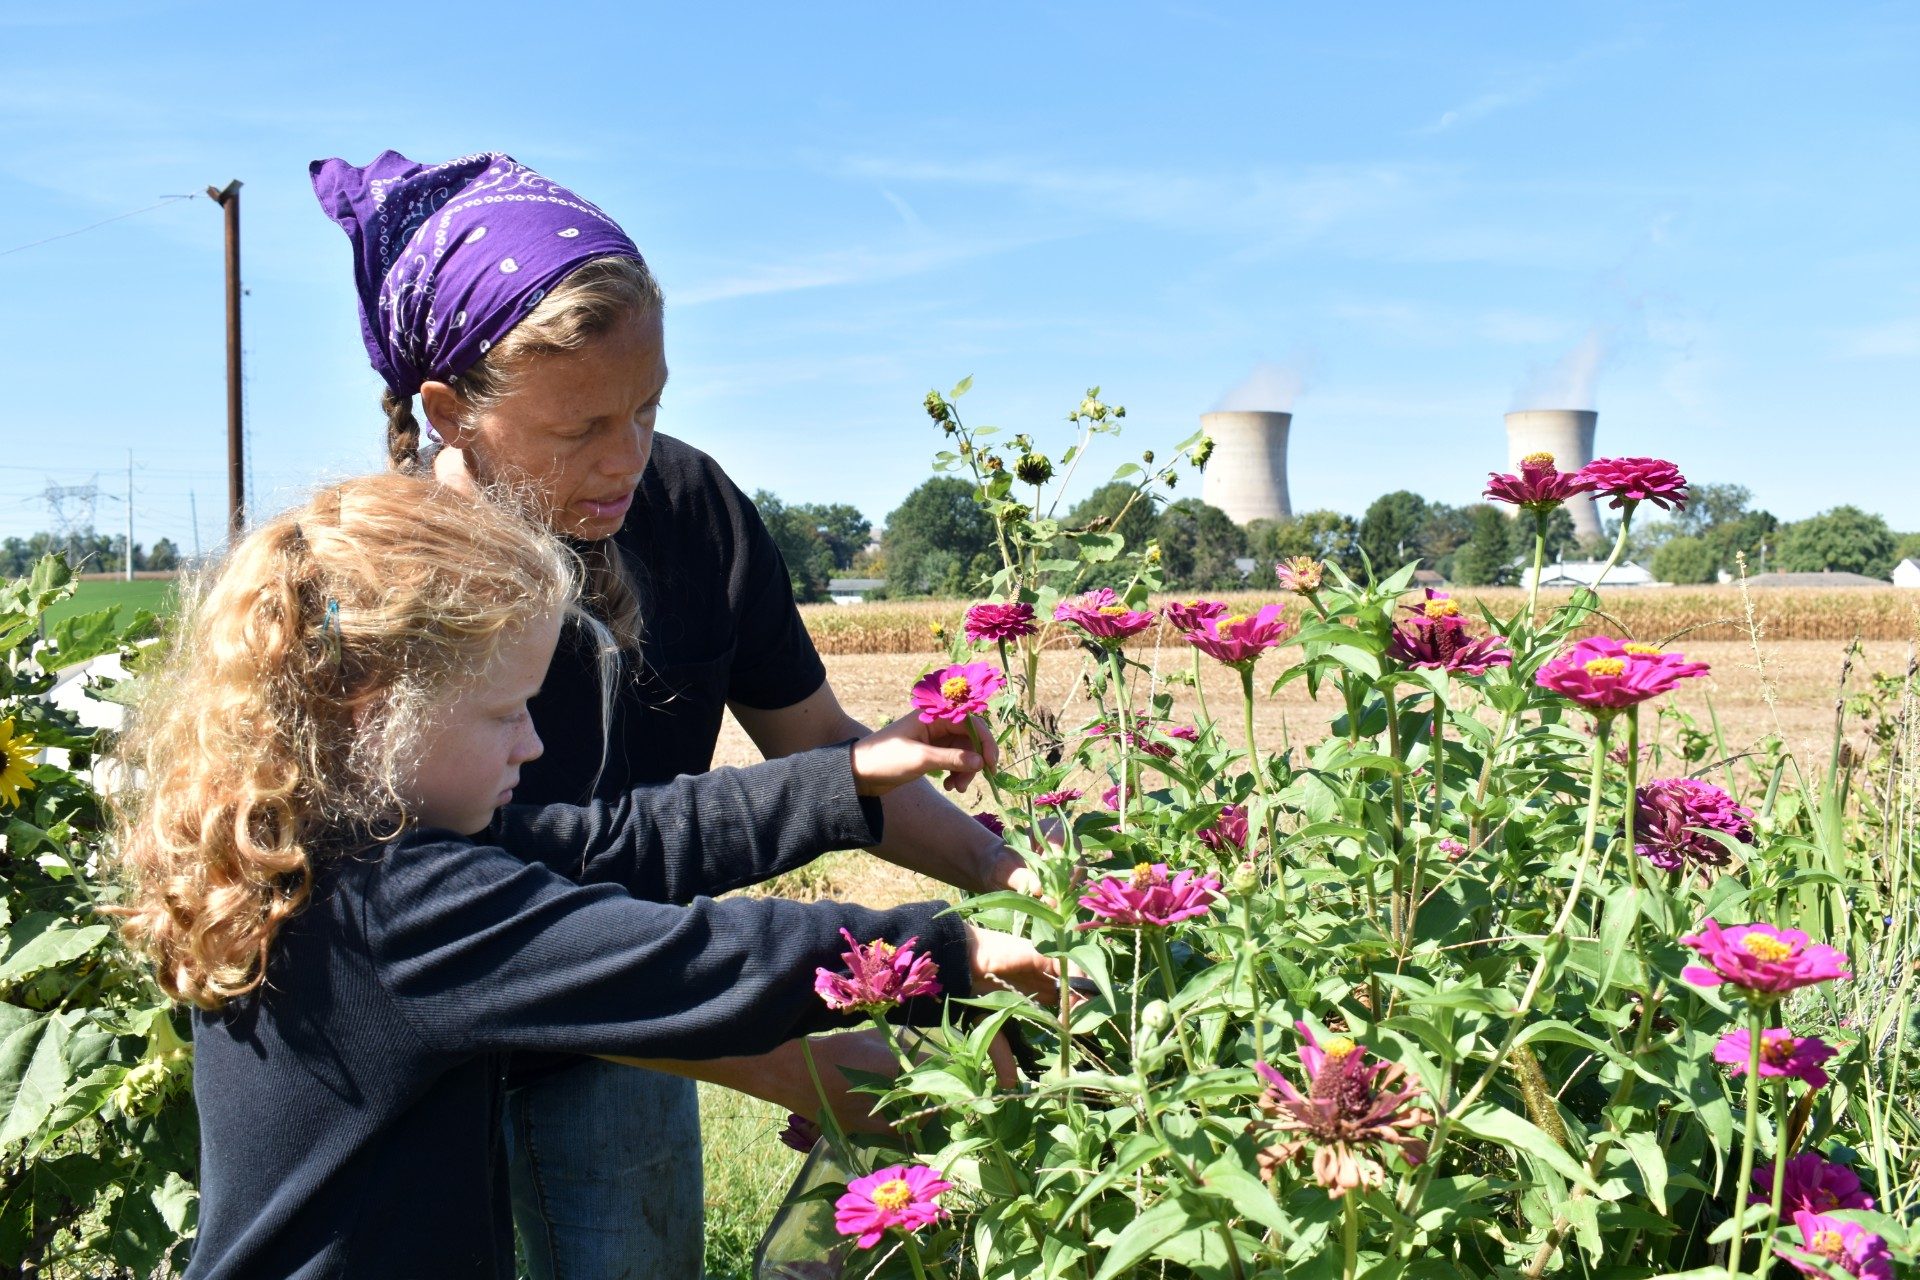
point(908, 749)
point(1004, 962)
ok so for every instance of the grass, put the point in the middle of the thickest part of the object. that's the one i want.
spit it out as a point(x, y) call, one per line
point(748, 1170)
point(152, 594)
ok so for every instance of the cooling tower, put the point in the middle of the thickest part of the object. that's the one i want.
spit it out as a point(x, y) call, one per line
point(1247, 475)
point(1567, 434)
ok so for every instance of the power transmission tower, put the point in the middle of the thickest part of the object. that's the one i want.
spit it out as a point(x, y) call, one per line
point(71, 506)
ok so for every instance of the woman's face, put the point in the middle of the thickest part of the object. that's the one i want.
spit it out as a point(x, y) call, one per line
point(577, 428)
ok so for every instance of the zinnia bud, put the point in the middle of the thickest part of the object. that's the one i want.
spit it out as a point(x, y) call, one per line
point(1033, 468)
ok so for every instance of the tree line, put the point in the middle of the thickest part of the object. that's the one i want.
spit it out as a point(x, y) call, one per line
point(87, 551)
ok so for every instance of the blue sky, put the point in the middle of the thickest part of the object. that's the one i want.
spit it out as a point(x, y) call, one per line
point(1420, 216)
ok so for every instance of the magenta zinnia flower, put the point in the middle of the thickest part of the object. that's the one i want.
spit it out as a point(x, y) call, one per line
point(1540, 486)
point(879, 976)
point(1811, 1183)
point(1836, 1242)
point(1056, 799)
point(1781, 1054)
point(1184, 732)
point(954, 693)
point(1629, 481)
point(1436, 637)
point(1186, 615)
point(800, 1133)
point(1301, 575)
point(899, 1196)
point(1605, 676)
point(996, 622)
point(1110, 798)
point(1351, 1113)
point(1228, 831)
point(992, 822)
point(1668, 813)
point(1239, 639)
point(1102, 616)
point(1135, 740)
point(1149, 898)
point(1764, 962)
point(1453, 849)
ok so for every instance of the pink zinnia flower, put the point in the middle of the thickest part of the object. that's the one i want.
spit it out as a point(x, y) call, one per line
point(1668, 813)
point(1184, 732)
point(1301, 575)
point(1453, 849)
point(1811, 1183)
point(1110, 798)
point(879, 976)
point(996, 622)
point(1540, 486)
point(1605, 676)
point(1228, 831)
point(1135, 740)
point(1781, 1054)
point(1239, 639)
point(1838, 1243)
point(899, 1196)
point(1435, 637)
point(1102, 616)
point(800, 1133)
point(992, 822)
point(1764, 962)
point(1186, 615)
point(954, 693)
point(1149, 897)
point(1629, 481)
point(1352, 1112)
point(1056, 799)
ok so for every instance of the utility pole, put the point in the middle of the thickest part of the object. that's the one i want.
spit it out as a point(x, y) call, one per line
point(129, 515)
point(228, 198)
point(193, 509)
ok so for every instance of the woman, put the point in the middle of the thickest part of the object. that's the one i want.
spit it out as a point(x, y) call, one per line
point(528, 326)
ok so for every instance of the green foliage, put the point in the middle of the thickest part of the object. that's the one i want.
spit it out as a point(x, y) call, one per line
point(97, 1132)
point(1391, 531)
point(1906, 547)
point(1487, 558)
point(1198, 547)
point(938, 541)
point(1845, 539)
point(1330, 536)
point(803, 545)
point(1685, 560)
point(1115, 507)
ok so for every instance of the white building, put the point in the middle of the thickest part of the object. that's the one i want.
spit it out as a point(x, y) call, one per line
point(1907, 573)
point(1584, 573)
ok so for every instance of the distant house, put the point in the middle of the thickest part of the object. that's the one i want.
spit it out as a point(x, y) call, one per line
point(1428, 578)
point(1824, 578)
point(1907, 573)
point(1584, 573)
point(853, 590)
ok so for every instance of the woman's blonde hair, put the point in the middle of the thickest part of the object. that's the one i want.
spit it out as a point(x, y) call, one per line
point(588, 304)
point(289, 705)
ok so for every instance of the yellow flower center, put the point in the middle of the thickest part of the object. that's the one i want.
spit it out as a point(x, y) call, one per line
point(1112, 610)
point(1827, 1243)
point(1778, 1052)
point(1338, 1047)
point(1441, 609)
point(1537, 460)
point(893, 1194)
point(1228, 624)
point(882, 948)
point(1644, 650)
point(1606, 667)
point(954, 688)
point(1763, 946)
point(1142, 874)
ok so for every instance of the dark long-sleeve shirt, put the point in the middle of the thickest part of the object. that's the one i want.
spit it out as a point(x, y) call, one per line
point(350, 1110)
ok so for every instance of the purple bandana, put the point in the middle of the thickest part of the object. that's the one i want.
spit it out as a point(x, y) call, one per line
point(449, 257)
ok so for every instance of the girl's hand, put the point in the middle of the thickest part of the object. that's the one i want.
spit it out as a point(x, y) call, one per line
point(907, 750)
point(1004, 962)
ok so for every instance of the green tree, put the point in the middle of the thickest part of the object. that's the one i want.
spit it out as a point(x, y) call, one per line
point(1907, 547)
point(1746, 536)
point(1108, 501)
point(938, 541)
point(1332, 536)
point(164, 556)
point(841, 526)
point(1562, 542)
point(1486, 558)
point(1685, 559)
point(1198, 547)
point(1444, 532)
point(1390, 532)
point(809, 558)
point(1845, 539)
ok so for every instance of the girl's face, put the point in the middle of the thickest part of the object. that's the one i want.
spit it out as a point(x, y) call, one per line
point(577, 428)
point(475, 743)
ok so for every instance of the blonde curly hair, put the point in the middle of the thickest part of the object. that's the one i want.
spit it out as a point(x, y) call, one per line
point(288, 707)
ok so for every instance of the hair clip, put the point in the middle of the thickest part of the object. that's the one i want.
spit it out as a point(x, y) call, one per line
point(330, 628)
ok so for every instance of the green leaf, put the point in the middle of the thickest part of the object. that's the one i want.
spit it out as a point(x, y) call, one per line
point(1098, 548)
point(1497, 1124)
point(1145, 1234)
point(49, 947)
point(961, 388)
point(1246, 1193)
point(1643, 1145)
point(33, 1076)
point(82, 636)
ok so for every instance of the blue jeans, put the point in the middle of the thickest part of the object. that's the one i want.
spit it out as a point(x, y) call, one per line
point(604, 1163)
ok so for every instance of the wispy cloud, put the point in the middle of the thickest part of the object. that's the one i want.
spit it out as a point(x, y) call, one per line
point(1488, 104)
point(1440, 326)
point(837, 267)
point(1894, 339)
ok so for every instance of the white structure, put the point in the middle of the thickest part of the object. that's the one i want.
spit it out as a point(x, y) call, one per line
point(1584, 573)
point(1247, 475)
point(853, 590)
point(1907, 573)
point(1567, 434)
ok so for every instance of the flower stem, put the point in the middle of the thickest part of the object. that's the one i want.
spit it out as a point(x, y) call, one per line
point(1125, 728)
point(913, 1255)
point(1539, 563)
point(1200, 691)
point(1779, 1148)
point(828, 1120)
point(1350, 1235)
point(1754, 1026)
point(1260, 784)
point(1619, 546)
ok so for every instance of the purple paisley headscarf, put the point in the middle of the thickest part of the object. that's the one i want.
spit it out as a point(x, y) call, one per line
point(448, 257)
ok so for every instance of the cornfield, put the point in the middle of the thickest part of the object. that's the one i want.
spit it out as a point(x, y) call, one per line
point(1652, 614)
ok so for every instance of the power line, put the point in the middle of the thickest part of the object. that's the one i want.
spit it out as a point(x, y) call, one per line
point(34, 244)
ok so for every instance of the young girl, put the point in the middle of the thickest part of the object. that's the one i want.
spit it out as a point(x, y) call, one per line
point(318, 861)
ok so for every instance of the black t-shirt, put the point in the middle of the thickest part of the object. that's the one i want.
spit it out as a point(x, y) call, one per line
point(719, 626)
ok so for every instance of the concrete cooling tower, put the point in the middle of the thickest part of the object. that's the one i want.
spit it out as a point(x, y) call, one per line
point(1567, 434)
point(1247, 475)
